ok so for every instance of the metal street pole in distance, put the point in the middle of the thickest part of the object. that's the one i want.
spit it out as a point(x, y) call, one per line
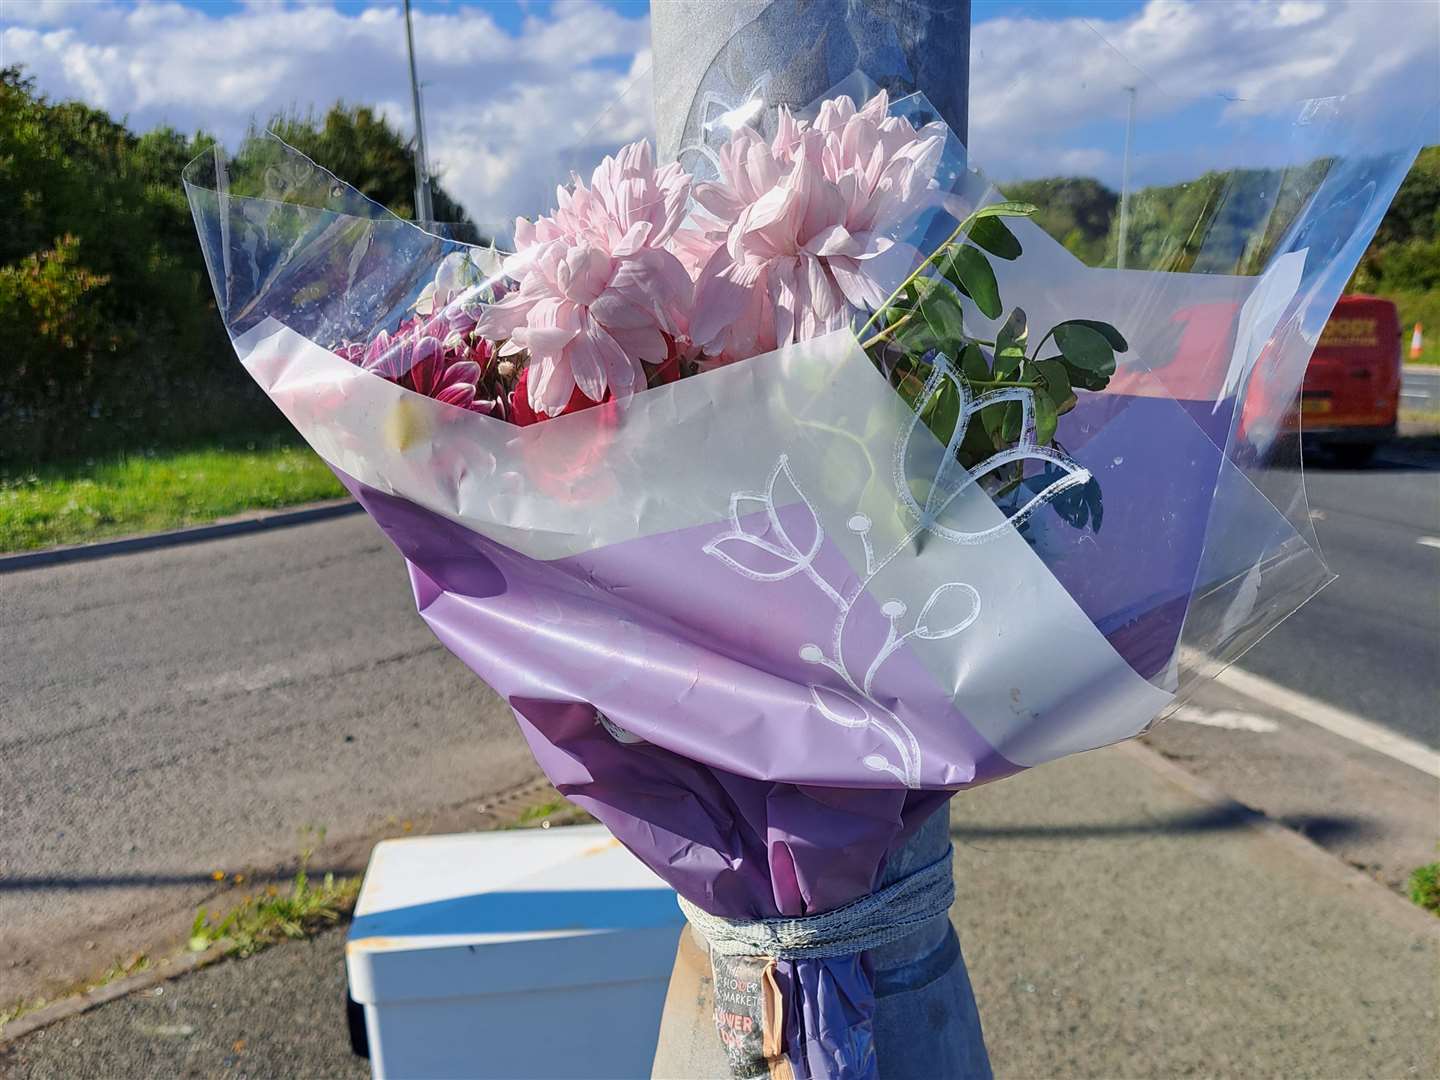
point(423, 209)
point(1122, 236)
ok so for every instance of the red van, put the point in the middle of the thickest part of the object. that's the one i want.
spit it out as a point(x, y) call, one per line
point(1350, 399)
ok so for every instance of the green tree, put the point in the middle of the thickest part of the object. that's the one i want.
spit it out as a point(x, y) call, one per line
point(361, 148)
point(1076, 210)
point(111, 336)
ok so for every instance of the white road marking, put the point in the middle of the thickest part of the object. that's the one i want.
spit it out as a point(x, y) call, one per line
point(1429, 541)
point(1336, 721)
point(1232, 719)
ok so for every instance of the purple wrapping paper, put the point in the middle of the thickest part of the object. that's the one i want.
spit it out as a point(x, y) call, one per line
point(738, 846)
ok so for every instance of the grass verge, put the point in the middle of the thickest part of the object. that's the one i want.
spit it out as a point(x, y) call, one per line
point(89, 500)
point(1424, 308)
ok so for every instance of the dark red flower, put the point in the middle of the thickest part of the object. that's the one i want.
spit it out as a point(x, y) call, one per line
point(523, 415)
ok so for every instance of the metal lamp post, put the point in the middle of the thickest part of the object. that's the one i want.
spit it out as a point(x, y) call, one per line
point(423, 209)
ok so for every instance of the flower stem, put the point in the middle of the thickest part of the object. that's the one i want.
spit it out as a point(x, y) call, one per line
point(931, 258)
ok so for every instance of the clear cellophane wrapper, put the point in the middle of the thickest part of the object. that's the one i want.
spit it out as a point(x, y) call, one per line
point(760, 620)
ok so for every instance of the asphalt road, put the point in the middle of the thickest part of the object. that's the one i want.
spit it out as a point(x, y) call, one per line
point(168, 714)
point(1370, 642)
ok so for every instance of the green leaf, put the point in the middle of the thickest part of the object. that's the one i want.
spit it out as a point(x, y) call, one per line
point(917, 337)
point(1010, 345)
point(1003, 209)
point(1083, 379)
point(992, 419)
point(995, 236)
point(1046, 419)
point(934, 320)
point(908, 382)
point(969, 271)
point(1085, 348)
point(977, 444)
point(1115, 339)
point(973, 364)
point(941, 311)
point(942, 411)
point(1013, 417)
point(1057, 384)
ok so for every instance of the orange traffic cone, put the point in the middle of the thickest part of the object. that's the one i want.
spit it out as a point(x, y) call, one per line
point(1417, 340)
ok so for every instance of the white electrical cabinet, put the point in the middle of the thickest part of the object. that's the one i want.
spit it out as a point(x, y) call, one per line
point(533, 953)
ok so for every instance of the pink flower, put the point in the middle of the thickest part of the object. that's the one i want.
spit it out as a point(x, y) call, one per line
point(793, 221)
point(438, 357)
point(599, 294)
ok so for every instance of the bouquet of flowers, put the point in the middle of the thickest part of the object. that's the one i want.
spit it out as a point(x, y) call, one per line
point(783, 502)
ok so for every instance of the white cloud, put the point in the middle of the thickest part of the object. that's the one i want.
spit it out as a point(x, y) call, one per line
point(1214, 72)
point(506, 112)
point(510, 110)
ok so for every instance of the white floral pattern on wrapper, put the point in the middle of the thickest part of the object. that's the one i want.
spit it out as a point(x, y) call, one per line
point(776, 554)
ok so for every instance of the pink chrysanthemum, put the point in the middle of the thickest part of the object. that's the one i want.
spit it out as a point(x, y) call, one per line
point(793, 220)
point(439, 357)
point(599, 295)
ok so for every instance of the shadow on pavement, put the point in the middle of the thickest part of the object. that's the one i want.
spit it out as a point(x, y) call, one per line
point(1321, 828)
point(77, 882)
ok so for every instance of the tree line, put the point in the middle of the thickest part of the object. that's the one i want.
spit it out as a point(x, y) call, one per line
point(1211, 224)
point(109, 335)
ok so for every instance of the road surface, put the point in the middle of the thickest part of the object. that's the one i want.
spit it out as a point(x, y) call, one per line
point(1420, 388)
point(167, 714)
point(1370, 643)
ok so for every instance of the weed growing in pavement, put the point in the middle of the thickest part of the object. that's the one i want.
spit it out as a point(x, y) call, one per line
point(269, 917)
point(16, 1009)
point(120, 969)
point(1425, 887)
point(556, 811)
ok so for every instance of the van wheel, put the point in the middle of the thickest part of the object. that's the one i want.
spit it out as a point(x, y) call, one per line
point(1353, 455)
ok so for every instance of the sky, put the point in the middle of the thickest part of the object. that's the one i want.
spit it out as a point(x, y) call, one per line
point(511, 87)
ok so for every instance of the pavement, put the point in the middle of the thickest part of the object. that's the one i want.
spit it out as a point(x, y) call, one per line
point(1119, 920)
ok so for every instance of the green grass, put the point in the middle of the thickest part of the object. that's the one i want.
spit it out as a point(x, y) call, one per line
point(1424, 308)
point(1425, 887)
point(78, 502)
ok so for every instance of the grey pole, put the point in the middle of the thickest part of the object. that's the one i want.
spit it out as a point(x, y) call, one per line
point(710, 57)
point(1123, 238)
point(423, 210)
